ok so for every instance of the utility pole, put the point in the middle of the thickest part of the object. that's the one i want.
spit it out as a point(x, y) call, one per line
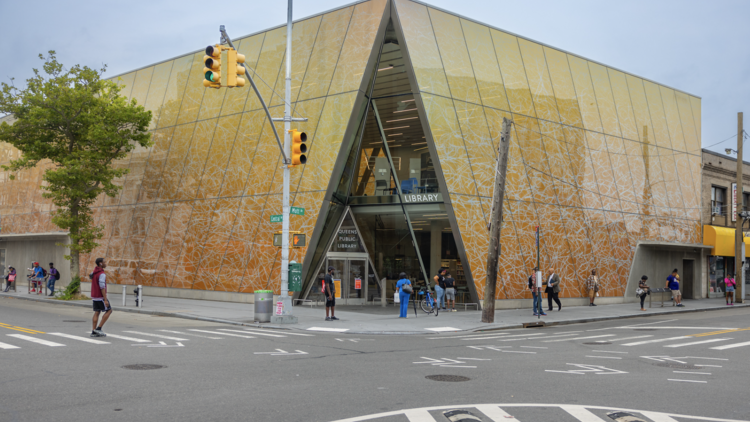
point(739, 240)
point(496, 220)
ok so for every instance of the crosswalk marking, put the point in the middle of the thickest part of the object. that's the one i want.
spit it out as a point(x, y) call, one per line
point(191, 334)
point(222, 333)
point(84, 339)
point(697, 342)
point(579, 338)
point(658, 417)
point(731, 346)
point(253, 333)
point(36, 340)
point(496, 414)
point(582, 414)
point(419, 415)
point(285, 333)
point(8, 346)
point(136, 340)
point(638, 343)
point(157, 336)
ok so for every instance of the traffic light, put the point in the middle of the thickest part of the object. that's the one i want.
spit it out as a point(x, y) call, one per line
point(299, 147)
point(212, 71)
point(233, 58)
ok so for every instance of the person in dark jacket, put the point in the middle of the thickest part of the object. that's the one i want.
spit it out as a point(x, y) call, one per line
point(54, 275)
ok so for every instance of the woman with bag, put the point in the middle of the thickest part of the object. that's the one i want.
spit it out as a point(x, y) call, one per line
point(10, 278)
point(642, 291)
point(404, 291)
point(730, 284)
point(592, 287)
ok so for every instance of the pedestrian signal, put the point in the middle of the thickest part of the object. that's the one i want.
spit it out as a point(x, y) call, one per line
point(299, 240)
point(233, 69)
point(212, 69)
point(299, 147)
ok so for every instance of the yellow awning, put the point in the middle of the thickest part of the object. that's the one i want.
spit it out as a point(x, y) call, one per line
point(722, 239)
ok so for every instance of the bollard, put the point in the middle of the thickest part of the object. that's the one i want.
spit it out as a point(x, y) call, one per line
point(140, 296)
point(123, 295)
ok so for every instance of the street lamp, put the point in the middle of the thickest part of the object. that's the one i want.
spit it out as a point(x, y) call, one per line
point(730, 151)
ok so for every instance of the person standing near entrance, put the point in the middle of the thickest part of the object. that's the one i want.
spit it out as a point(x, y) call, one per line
point(99, 297)
point(403, 296)
point(592, 287)
point(643, 290)
point(330, 292)
point(535, 294)
point(54, 275)
point(730, 287)
point(440, 288)
point(553, 289)
point(450, 291)
point(10, 278)
point(673, 284)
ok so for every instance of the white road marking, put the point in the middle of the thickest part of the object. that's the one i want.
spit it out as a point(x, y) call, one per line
point(36, 340)
point(608, 351)
point(418, 415)
point(731, 346)
point(157, 336)
point(286, 333)
point(221, 333)
point(161, 344)
point(333, 330)
point(628, 338)
point(604, 357)
point(698, 357)
point(503, 336)
point(659, 340)
point(280, 352)
point(495, 348)
point(704, 382)
point(517, 351)
point(255, 333)
point(84, 339)
point(582, 414)
point(647, 323)
point(8, 346)
point(136, 340)
point(496, 414)
point(597, 369)
point(191, 334)
point(664, 359)
point(534, 347)
point(696, 373)
point(709, 366)
point(698, 342)
point(467, 336)
point(441, 329)
point(473, 359)
point(578, 338)
point(444, 362)
point(659, 417)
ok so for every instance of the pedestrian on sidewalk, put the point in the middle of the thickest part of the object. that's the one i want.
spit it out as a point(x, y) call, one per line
point(99, 297)
point(54, 275)
point(403, 296)
point(553, 289)
point(38, 278)
point(330, 292)
point(673, 284)
point(643, 290)
point(10, 278)
point(592, 287)
point(535, 294)
point(440, 288)
point(450, 291)
point(730, 287)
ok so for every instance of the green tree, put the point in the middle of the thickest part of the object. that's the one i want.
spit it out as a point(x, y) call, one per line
point(78, 123)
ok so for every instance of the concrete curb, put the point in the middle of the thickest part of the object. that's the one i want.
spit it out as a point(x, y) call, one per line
point(281, 327)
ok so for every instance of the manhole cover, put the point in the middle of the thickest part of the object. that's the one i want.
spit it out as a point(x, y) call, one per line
point(73, 320)
point(676, 365)
point(143, 366)
point(447, 378)
point(597, 343)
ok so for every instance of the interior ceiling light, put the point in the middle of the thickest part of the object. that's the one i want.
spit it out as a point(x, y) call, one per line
point(395, 134)
point(404, 111)
point(420, 149)
point(420, 143)
point(394, 146)
point(399, 120)
point(407, 101)
point(385, 68)
point(399, 127)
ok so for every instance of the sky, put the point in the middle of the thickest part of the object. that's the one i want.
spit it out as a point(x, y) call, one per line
point(698, 47)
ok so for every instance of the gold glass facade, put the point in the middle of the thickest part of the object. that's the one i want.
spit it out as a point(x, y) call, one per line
point(600, 159)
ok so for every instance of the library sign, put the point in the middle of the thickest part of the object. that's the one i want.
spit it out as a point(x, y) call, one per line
point(347, 239)
point(420, 198)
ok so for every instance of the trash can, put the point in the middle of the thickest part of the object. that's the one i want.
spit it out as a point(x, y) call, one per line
point(263, 305)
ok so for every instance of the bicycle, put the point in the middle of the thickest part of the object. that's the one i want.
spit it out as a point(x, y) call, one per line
point(428, 304)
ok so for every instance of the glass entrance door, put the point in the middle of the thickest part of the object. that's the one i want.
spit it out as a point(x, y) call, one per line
point(350, 277)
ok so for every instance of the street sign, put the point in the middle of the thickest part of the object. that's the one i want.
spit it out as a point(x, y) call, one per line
point(295, 277)
point(277, 218)
point(297, 211)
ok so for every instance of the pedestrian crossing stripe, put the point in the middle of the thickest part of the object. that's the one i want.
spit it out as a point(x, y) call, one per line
point(8, 346)
point(84, 339)
point(731, 346)
point(36, 340)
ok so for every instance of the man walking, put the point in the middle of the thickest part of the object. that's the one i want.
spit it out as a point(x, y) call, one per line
point(450, 291)
point(535, 294)
point(553, 289)
point(673, 284)
point(54, 275)
point(330, 292)
point(99, 296)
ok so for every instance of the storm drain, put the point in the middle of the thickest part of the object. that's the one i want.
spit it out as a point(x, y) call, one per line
point(624, 417)
point(143, 366)
point(447, 378)
point(460, 416)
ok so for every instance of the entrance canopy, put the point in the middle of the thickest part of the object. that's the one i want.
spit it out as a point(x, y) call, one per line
point(722, 240)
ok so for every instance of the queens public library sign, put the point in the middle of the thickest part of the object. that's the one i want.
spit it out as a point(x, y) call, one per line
point(419, 198)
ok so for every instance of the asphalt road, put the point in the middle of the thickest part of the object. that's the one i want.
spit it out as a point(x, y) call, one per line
point(690, 364)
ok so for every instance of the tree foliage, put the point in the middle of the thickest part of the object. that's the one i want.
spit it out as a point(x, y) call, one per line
point(76, 124)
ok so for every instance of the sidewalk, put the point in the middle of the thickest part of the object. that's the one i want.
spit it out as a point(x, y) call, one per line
point(378, 320)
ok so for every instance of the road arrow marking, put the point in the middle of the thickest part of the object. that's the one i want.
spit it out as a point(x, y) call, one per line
point(280, 352)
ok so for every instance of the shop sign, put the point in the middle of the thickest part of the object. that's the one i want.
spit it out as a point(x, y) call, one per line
point(418, 198)
point(734, 201)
